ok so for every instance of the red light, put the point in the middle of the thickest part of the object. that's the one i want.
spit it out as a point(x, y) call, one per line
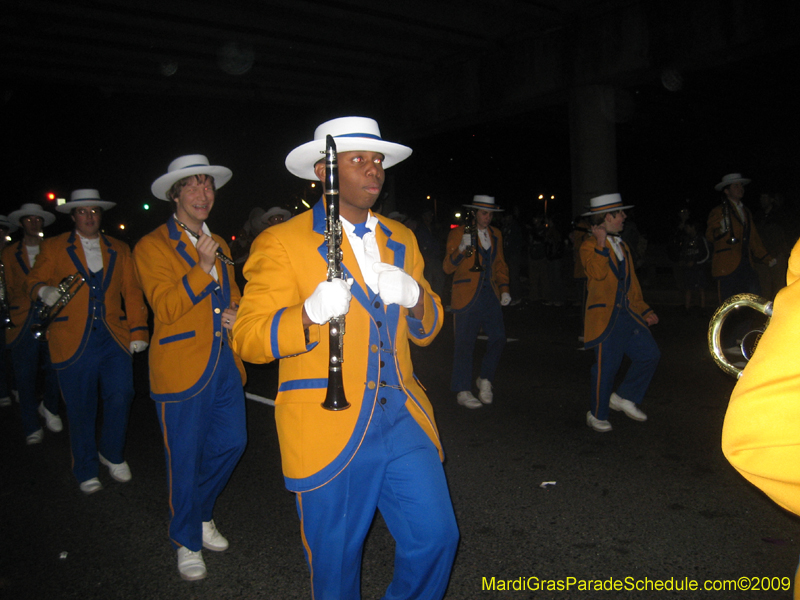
point(233, 238)
point(51, 196)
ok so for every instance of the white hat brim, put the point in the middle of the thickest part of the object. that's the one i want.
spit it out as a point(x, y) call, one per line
point(160, 187)
point(300, 161)
point(723, 184)
point(486, 208)
point(48, 217)
point(68, 206)
point(606, 210)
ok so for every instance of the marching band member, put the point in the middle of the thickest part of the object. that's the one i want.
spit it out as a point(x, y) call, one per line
point(618, 320)
point(476, 301)
point(94, 335)
point(29, 355)
point(737, 244)
point(383, 452)
point(195, 378)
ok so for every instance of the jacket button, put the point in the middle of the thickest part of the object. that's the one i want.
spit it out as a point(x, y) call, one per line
point(379, 323)
point(377, 304)
point(373, 348)
point(383, 400)
point(216, 310)
point(371, 385)
point(217, 333)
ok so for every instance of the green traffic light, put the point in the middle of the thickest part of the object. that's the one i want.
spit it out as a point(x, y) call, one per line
point(147, 207)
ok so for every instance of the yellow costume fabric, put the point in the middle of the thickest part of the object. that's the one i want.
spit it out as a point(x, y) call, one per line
point(287, 262)
point(186, 342)
point(761, 433)
point(118, 303)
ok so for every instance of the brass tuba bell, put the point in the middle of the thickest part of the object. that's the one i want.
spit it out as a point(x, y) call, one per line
point(749, 340)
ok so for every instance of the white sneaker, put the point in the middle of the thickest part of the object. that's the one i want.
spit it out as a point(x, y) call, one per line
point(191, 565)
point(626, 406)
point(212, 538)
point(597, 424)
point(35, 437)
point(90, 486)
point(5, 401)
point(485, 390)
point(468, 400)
point(119, 472)
point(52, 421)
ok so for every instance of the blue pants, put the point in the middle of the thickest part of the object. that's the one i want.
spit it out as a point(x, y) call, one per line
point(396, 470)
point(486, 312)
point(29, 356)
point(5, 369)
point(204, 438)
point(629, 338)
point(107, 367)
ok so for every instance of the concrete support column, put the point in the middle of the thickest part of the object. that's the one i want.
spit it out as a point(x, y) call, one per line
point(593, 144)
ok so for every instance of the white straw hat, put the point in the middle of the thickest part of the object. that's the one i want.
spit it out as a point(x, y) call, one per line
point(349, 133)
point(86, 197)
point(31, 209)
point(605, 203)
point(729, 179)
point(186, 166)
point(484, 203)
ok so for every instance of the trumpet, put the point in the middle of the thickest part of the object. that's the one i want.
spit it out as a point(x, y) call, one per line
point(68, 287)
point(220, 254)
point(749, 340)
point(471, 227)
point(5, 308)
point(726, 218)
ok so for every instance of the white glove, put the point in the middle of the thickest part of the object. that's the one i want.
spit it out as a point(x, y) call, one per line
point(49, 294)
point(138, 346)
point(330, 299)
point(505, 299)
point(466, 240)
point(395, 286)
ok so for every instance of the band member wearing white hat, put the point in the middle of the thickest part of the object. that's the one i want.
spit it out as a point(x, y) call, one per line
point(195, 378)
point(94, 335)
point(737, 244)
point(476, 300)
point(29, 355)
point(5, 314)
point(617, 321)
point(275, 215)
point(383, 452)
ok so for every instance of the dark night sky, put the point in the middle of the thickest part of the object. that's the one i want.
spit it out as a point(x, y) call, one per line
point(672, 145)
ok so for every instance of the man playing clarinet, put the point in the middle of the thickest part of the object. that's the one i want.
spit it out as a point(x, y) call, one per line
point(383, 451)
point(195, 378)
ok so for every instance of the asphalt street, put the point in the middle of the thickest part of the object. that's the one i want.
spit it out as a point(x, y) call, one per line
point(654, 501)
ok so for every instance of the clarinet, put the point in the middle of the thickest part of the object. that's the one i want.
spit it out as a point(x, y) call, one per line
point(334, 396)
point(219, 253)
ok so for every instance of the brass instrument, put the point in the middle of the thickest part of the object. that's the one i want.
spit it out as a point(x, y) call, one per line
point(220, 254)
point(68, 287)
point(471, 227)
point(726, 218)
point(750, 339)
point(334, 396)
point(5, 308)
